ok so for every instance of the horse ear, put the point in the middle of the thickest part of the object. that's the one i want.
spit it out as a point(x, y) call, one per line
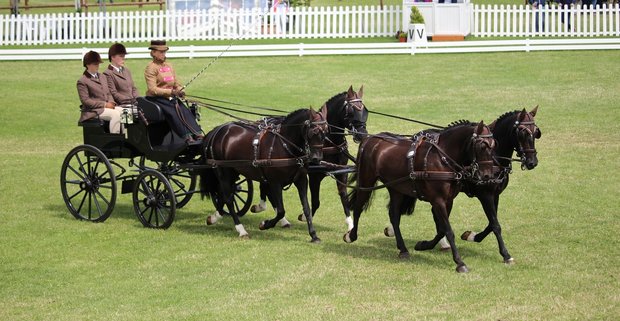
point(480, 127)
point(350, 91)
point(360, 93)
point(522, 114)
point(323, 111)
point(492, 125)
point(533, 112)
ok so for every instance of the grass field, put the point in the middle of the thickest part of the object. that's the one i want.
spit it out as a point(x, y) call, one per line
point(560, 221)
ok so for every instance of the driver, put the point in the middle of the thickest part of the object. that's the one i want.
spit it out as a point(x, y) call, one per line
point(164, 88)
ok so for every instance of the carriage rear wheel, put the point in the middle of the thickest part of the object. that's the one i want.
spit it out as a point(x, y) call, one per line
point(242, 199)
point(153, 200)
point(183, 181)
point(88, 184)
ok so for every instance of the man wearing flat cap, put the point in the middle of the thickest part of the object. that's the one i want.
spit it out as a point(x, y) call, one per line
point(119, 77)
point(95, 94)
point(164, 88)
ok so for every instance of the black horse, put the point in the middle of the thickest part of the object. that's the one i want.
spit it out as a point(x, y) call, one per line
point(429, 166)
point(345, 111)
point(514, 131)
point(275, 153)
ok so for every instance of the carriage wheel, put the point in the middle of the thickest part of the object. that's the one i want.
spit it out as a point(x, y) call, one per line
point(242, 199)
point(88, 184)
point(153, 200)
point(183, 181)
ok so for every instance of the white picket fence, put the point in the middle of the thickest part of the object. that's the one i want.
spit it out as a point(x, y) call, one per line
point(548, 21)
point(313, 22)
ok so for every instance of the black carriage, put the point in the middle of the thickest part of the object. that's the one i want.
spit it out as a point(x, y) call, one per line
point(161, 169)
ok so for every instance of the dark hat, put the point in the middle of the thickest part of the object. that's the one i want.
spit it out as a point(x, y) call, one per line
point(116, 49)
point(91, 57)
point(158, 45)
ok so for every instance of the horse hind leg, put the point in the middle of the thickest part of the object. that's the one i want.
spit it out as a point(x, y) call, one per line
point(396, 200)
point(314, 182)
point(275, 197)
point(262, 203)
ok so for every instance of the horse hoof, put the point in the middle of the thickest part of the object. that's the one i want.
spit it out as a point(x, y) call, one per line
point(404, 255)
point(315, 240)
point(261, 226)
point(510, 261)
point(422, 246)
point(244, 237)
point(209, 220)
point(301, 218)
point(347, 237)
point(256, 208)
point(465, 235)
point(445, 249)
point(388, 231)
point(462, 269)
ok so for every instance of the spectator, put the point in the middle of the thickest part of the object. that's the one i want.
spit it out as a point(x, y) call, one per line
point(565, 16)
point(280, 8)
point(538, 6)
point(119, 77)
point(95, 95)
point(164, 88)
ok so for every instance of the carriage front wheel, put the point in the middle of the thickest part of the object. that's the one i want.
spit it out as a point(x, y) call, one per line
point(154, 201)
point(88, 184)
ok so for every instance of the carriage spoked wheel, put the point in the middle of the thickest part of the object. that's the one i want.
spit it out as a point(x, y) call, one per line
point(182, 180)
point(88, 184)
point(153, 199)
point(242, 198)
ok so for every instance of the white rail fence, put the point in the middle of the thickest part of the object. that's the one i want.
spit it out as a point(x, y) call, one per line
point(314, 22)
point(301, 49)
point(547, 21)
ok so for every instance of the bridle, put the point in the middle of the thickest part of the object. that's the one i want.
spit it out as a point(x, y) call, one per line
point(312, 128)
point(481, 141)
point(522, 129)
point(352, 108)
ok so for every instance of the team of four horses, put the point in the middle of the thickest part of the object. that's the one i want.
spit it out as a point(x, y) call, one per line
point(433, 165)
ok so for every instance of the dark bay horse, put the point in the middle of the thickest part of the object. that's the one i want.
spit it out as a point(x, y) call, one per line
point(345, 111)
point(514, 131)
point(275, 153)
point(429, 166)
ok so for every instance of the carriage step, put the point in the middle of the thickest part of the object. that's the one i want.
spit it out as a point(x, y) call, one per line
point(127, 186)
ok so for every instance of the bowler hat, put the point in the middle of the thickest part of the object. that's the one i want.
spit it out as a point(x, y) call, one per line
point(158, 45)
point(91, 57)
point(116, 49)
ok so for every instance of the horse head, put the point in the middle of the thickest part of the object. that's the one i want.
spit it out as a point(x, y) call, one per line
point(315, 130)
point(526, 133)
point(482, 147)
point(356, 113)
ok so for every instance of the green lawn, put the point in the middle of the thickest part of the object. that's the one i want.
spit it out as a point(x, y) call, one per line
point(560, 221)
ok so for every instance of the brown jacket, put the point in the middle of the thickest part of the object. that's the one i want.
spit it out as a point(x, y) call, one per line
point(94, 93)
point(160, 79)
point(121, 86)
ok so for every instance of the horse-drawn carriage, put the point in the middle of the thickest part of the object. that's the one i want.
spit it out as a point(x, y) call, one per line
point(162, 169)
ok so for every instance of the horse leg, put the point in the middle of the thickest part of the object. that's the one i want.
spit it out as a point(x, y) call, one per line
point(441, 213)
point(262, 204)
point(396, 200)
point(302, 189)
point(440, 235)
point(227, 188)
point(389, 230)
point(275, 197)
point(489, 204)
point(315, 193)
point(342, 192)
point(358, 199)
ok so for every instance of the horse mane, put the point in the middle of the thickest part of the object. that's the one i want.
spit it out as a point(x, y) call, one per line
point(294, 115)
point(330, 101)
point(459, 123)
point(506, 115)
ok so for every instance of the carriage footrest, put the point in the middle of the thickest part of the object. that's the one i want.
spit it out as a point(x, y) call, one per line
point(127, 186)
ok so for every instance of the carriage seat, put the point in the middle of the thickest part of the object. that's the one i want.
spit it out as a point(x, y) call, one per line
point(152, 112)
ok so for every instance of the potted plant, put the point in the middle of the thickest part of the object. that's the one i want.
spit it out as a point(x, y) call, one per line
point(401, 36)
point(417, 29)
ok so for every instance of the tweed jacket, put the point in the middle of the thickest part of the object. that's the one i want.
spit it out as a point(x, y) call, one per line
point(160, 79)
point(121, 85)
point(94, 93)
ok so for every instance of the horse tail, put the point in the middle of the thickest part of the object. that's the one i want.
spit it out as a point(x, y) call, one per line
point(407, 206)
point(209, 184)
point(354, 194)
